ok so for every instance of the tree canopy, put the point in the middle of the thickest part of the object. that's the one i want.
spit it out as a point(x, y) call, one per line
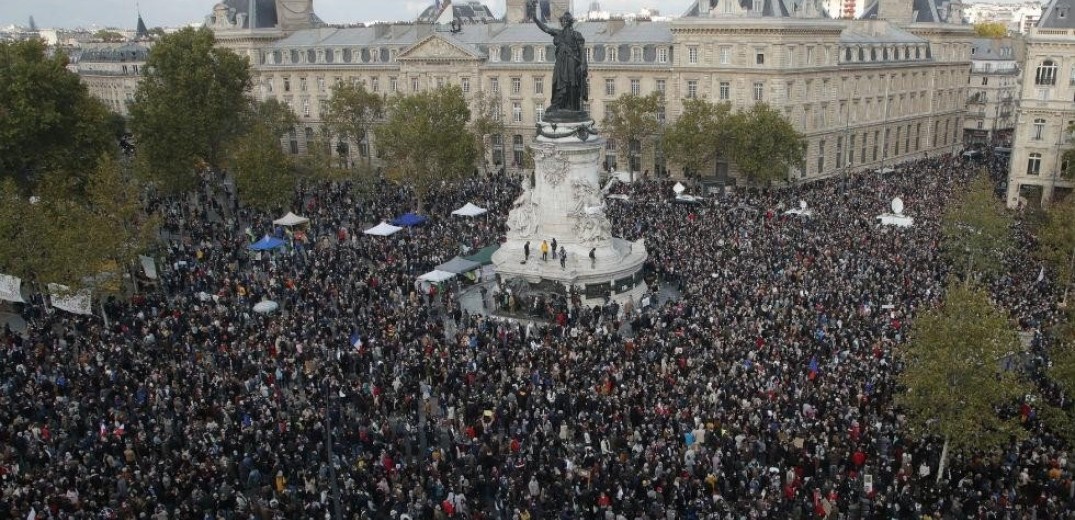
point(953, 379)
point(55, 129)
point(68, 236)
point(977, 230)
point(264, 176)
point(425, 138)
point(188, 106)
point(701, 134)
point(765, 145)
point(991, 29)
point(485, 122)
point(352, 111)
point(633, 119)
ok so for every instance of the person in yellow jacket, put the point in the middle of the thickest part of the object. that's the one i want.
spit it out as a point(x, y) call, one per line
point(544, 251)
point(279, 483)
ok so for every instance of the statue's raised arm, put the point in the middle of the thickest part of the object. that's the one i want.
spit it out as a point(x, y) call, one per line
point(569, 88)
point(531, 9)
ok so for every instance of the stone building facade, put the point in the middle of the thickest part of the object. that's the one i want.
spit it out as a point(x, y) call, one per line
point(1045, 115)
point(111, 71)
point(865, 93)
point(991, 95)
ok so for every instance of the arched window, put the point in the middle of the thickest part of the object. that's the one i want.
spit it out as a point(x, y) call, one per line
point(1039, 129)
point(847, 54)
point(862, 54)
point(311, 56)
point(1046, 74)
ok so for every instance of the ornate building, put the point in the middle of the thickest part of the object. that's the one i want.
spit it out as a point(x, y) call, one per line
point(1045, 114)
point(865, 92)
point(994, 86)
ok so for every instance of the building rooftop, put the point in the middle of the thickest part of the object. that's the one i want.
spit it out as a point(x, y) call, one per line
point(1058, 15)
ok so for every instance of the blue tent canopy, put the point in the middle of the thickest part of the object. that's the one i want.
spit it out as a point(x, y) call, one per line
point(409, 220)
point(266, 243)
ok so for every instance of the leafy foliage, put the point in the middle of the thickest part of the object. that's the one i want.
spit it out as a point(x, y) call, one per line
point(765, 144)
point(48, 121)
point(633, 119)
point(425, 139)
point(1056, 239)
point(485, 122)
point(977, 230)
point(188, 108)
point(263, 176)
point(67, 235)
point(700, 135)
point(991, 29)
point(263, 173)
point(352, 111)
point(109, 36)
point(953, 381)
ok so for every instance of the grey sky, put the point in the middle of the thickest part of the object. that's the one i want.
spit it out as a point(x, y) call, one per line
point(122, 13)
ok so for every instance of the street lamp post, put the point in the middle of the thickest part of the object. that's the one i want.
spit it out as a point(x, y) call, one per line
point(337, 510)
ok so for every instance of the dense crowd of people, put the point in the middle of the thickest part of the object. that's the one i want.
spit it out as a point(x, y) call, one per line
point(764, 391)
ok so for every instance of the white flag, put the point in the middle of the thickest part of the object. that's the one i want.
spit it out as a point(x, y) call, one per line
point(63, 299)
point(32, 515)
point(1041, 274)
point(148, 266)
point(10, 288)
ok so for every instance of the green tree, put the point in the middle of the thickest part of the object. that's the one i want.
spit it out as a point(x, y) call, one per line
point(48, 121)
point(700, 135)
point(118, 226)
point(1056, 241)
point(321, 161)
point(69, 234)
point(264, 177)
point(953, 381)
point(485, 122)
point(990, 29)
point(632, 119)
point(426, 140)
point(188, 108)
point(765, 144)
point(977, 230)
point(109, 36)
point(352, 112)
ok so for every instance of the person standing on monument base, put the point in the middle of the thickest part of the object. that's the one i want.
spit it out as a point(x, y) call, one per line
point(554, 248)
point(526, 252)
point(563, 258)
point(593, 258)
point(544, 251)
point(569, 88)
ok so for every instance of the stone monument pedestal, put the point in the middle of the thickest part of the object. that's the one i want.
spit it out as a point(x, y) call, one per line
point(565, 203)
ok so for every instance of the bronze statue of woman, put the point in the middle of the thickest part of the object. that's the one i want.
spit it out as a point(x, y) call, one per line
point(569, 87)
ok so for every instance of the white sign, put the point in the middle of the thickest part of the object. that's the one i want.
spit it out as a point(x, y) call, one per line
point(10, 288)
point(679, 188)
point(65, 300)
point(149, 267)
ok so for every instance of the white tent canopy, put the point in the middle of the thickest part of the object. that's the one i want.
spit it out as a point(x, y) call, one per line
point(469, 210)
point(382, 230)
point(436, 276)
point(290, 219)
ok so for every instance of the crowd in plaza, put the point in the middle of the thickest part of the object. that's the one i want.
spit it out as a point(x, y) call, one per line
point(765, 390)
